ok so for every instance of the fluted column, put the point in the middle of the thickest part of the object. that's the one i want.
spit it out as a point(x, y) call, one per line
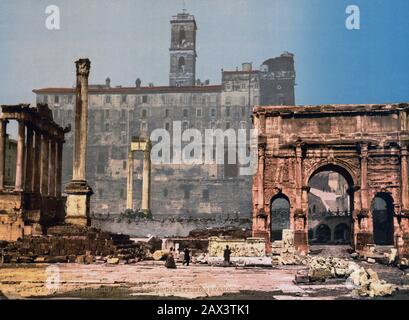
point(3, 133)
point(364, 177)
point(20, 156)
point(58, 173)
point(51, 167)
point(81, 120)
point(45, 146)
point(129, 189)
point(28, 184)
point(36, 183)
point(78, 191)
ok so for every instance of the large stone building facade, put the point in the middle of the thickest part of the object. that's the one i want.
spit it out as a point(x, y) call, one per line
point(116, 114)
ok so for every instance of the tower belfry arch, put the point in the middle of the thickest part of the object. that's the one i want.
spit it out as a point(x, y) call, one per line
point(144, 145)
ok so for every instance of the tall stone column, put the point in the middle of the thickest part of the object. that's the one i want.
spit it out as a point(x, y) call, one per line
point(45, 151)
point(78, 191)
point(365, 233)
point(28, 184)
point(58, 170)
point(404, 178)
point(129, 189)
point(20, 156)
point(146, 183)
point(300, 217)
point(36, 183)
point(51, 168)
point(3, 133)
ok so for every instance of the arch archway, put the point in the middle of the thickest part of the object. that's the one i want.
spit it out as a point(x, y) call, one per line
point(330, 205)
point(323, 234)
point(382, 216)
point(279, 215)
point(342, 233)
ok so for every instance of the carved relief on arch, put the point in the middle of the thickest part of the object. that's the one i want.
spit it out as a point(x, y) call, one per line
point(313, 164)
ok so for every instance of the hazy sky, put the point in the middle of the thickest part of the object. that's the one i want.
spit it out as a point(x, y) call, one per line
point(126, 39)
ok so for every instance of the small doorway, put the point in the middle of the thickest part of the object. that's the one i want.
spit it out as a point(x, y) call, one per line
point(382, 214)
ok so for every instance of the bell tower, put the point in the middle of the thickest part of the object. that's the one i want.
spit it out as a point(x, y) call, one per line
point(183, 50)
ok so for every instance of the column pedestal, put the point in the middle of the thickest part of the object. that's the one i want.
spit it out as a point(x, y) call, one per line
point(78, 203)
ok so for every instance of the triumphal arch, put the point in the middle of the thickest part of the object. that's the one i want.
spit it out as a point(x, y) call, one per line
point(365, 144)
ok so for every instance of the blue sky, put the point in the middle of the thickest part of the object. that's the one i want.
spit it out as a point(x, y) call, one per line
point(126, 39)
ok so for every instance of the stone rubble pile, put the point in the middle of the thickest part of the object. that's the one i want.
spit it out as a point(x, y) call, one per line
point(74, 244)
point(363, 282)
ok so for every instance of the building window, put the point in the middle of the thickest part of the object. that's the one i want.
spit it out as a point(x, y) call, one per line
point(227, 125)
point(167, 126)
point(123, 99)
point(144, 99)
point(69, 114)
point(70, 99)
point(45, 99)
point(107, 127)
point(242, 124)
point(182, 35)
point(227, 111)
point(167, 112)
point(205, 195)
point(124, 165)
point(185, 113)
point(56, 99)
point(165, 193)
point(213, 112)
point(144, 126)
point(121, 193)
point(107, 99)
point(185, 125)
point(106, 113)
point(243, 111)
point(123, 114)
point(198, 112)
point(187, 194)
point(100, 169)
point(181, 64)
point(123, 126)
point(144, 113)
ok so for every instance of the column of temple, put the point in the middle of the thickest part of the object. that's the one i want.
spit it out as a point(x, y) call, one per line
point(129, 189)
point(146, 184)
point(3, 132)
point(36, 182)
point(28, 185)
point(20, 156)
point(58, 174)
point(45, 147)
point(51, 168)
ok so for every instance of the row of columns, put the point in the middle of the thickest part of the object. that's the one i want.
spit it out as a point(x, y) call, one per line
point(38, 163)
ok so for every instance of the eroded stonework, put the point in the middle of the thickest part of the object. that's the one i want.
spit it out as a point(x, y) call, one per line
point(366, 144)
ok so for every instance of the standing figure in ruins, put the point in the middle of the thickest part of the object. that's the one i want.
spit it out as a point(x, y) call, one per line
point(170, 260)
point(186, 258)
point(227, 253)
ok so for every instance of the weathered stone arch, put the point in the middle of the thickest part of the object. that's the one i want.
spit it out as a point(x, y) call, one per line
point(336, 165)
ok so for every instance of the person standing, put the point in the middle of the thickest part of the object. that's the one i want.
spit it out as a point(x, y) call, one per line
point(227, 253)
point(170, 260)
point(186, 258)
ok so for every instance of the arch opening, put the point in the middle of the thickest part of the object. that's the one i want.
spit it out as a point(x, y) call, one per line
point(279, 216)
point(383, 215)
point(330, 205)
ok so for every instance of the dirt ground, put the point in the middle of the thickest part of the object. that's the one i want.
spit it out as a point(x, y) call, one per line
point(151, 280)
